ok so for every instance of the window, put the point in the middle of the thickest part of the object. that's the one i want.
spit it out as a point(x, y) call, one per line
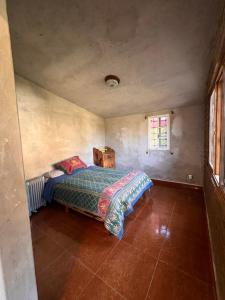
point(159, 132)
point(215, 128)
point(212, 131)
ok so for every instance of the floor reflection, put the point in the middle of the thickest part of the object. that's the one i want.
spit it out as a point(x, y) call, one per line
point(163, 230)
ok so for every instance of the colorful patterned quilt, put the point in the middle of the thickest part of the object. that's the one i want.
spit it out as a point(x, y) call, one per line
point(108, 193)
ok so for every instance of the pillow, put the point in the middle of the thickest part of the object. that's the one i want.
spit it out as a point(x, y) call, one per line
point(53, 174)
point(69, 165)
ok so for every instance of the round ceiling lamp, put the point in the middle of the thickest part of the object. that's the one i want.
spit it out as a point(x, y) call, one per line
point(112, 80)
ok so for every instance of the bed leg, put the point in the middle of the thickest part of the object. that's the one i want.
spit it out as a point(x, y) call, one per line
point(66, 209)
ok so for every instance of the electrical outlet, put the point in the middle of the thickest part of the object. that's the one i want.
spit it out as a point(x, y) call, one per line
point(190, 177)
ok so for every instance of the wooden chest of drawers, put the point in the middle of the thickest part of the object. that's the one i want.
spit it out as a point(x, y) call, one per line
point(104, 158)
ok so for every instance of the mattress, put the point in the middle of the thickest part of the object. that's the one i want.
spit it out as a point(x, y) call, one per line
point(107, 193)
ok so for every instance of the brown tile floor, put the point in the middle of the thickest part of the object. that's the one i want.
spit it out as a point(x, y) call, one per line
point(164, 253)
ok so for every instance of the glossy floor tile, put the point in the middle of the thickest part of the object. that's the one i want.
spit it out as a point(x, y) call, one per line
point(171, 284)
point(128, 270)
point(93, 248)
point(190, 255)
point(144, 232)
point(97, 289)
point(164, 253)
point(66, 278)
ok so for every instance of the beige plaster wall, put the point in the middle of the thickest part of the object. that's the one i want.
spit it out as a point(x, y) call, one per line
point(17, 277)
point(129, 137)
point(53, 128)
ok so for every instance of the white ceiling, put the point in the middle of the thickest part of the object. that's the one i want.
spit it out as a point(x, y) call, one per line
point(160, 49)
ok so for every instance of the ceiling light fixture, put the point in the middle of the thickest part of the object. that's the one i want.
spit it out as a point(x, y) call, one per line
point(112, 80)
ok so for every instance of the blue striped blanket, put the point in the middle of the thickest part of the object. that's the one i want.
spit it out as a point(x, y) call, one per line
point(108, 193)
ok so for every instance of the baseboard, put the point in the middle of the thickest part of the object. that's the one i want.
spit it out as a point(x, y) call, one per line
point(176, 184)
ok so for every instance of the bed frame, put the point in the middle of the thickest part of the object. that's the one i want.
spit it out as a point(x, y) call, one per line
point(67, 208)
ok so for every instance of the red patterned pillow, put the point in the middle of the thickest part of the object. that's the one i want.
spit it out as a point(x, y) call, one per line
point(69, 165)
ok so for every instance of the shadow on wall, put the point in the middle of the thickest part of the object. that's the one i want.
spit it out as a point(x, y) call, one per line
point(129, 137)
point(53, 129)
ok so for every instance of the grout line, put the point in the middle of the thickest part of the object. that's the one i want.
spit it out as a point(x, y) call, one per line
point(170, 220)
point(117, 243)
point(173, 266)
point(110, 286)
point(181, 270)
point(83, 289)
point(76, 259)
point(158, 259)
point(38, 226)
point(52, 262)
point(80, 262)
point(185, 273)
point(89, 269)
point(141, 251)
point(66, 250)
point(95, 274)
point(50, 237)
point(137, 215)
point(153, 275)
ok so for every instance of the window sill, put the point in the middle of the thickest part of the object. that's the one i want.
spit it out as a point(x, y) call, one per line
point(159, 149)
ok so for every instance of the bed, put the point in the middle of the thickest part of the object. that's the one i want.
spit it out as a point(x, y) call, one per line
point(107, 194)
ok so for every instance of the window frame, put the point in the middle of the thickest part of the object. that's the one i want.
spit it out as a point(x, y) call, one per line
point(222, 154)
point(217, 166)
point(159, 115)
point(212, 131)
